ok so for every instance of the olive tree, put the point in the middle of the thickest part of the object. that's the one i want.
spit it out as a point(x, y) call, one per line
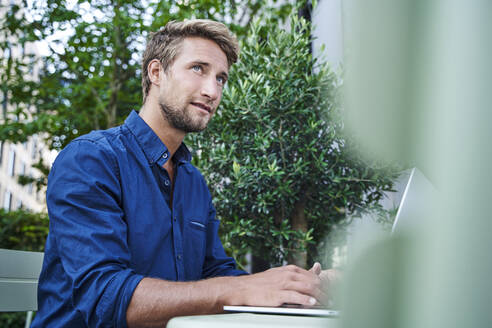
point(277, 160)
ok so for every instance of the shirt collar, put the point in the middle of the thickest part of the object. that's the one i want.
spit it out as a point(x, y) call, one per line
point(154, 149)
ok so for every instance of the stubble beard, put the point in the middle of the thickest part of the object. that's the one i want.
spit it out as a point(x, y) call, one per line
point(181, 119)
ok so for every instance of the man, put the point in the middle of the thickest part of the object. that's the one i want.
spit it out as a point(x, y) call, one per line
point(133, 236)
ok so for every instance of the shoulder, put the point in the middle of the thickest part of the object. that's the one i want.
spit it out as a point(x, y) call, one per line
point(89, 152)
point(102, 139)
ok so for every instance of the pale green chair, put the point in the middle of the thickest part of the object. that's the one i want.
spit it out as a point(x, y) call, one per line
point(19, 273)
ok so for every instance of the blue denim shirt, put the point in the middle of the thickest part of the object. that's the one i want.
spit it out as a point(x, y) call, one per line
point(112, 223)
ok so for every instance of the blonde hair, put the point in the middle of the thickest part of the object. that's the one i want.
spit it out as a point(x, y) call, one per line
point(165, 44)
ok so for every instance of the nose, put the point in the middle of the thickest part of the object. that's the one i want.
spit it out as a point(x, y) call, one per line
point(211, 89)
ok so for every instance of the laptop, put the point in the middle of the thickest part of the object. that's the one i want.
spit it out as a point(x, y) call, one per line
point(415, 203)
point(286, 309)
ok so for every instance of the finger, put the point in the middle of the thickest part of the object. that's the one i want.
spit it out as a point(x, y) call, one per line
point(324, 298)
point(316, 269)
point(296, 298)
point(293, 278)
point(310, 288)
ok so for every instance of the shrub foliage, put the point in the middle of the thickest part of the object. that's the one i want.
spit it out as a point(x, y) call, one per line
point(278, 163)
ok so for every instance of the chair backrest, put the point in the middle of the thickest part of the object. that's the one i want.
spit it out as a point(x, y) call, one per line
point(19, 273)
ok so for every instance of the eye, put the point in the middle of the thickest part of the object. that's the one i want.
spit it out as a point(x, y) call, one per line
point(196, 68)
point(221, 80)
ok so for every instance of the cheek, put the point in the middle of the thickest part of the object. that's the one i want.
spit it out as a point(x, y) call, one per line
point(187, 87)
point(175, 93)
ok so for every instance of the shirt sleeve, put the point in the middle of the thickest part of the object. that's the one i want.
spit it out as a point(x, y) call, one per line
point(90, 231)
point(217, 263)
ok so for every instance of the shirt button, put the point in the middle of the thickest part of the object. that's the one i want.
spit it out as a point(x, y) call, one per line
point(175, 219)
point(179, 257)
point(166, 182)
point(164, 156)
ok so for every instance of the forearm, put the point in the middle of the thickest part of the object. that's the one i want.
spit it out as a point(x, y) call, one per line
point(155, 301)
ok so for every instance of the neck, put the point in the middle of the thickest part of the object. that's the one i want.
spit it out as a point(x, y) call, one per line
point(155, 118)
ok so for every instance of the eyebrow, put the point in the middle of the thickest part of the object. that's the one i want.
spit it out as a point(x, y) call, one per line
point(223, 74)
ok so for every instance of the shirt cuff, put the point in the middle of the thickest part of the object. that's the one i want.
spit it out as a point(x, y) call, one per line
point(118, 295)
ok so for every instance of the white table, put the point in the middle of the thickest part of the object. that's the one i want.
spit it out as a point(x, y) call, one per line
point(251, 320)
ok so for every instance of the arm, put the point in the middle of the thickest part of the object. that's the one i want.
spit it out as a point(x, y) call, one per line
point(90, 233)
point(91, 236)
point(155, 301)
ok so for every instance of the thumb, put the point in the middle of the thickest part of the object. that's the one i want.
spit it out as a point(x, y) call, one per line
point(316, 269)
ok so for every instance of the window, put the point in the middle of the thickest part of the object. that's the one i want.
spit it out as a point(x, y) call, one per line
point(11, 163)
point(7, 200)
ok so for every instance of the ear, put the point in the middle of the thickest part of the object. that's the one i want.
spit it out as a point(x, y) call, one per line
point(154, 71)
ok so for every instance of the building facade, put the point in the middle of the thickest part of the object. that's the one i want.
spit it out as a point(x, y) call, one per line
point(18, 159)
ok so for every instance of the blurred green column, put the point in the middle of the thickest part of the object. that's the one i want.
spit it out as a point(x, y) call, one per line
point(419, 90)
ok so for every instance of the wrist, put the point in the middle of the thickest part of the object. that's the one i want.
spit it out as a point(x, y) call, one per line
point(230, 290)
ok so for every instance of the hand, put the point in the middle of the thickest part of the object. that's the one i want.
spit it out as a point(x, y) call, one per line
point(328, 279)
point(288, 284)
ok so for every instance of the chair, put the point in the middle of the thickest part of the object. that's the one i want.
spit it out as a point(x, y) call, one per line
point(19, 273)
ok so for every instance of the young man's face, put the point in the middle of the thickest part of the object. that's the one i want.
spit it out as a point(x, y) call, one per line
point(191, 89)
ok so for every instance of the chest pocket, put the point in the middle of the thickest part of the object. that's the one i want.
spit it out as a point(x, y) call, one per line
point(195, 247)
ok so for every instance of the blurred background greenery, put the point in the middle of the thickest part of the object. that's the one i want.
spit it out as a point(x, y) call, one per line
point(418, 81)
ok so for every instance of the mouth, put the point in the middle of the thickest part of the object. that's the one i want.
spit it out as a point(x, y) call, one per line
point(206, 108)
